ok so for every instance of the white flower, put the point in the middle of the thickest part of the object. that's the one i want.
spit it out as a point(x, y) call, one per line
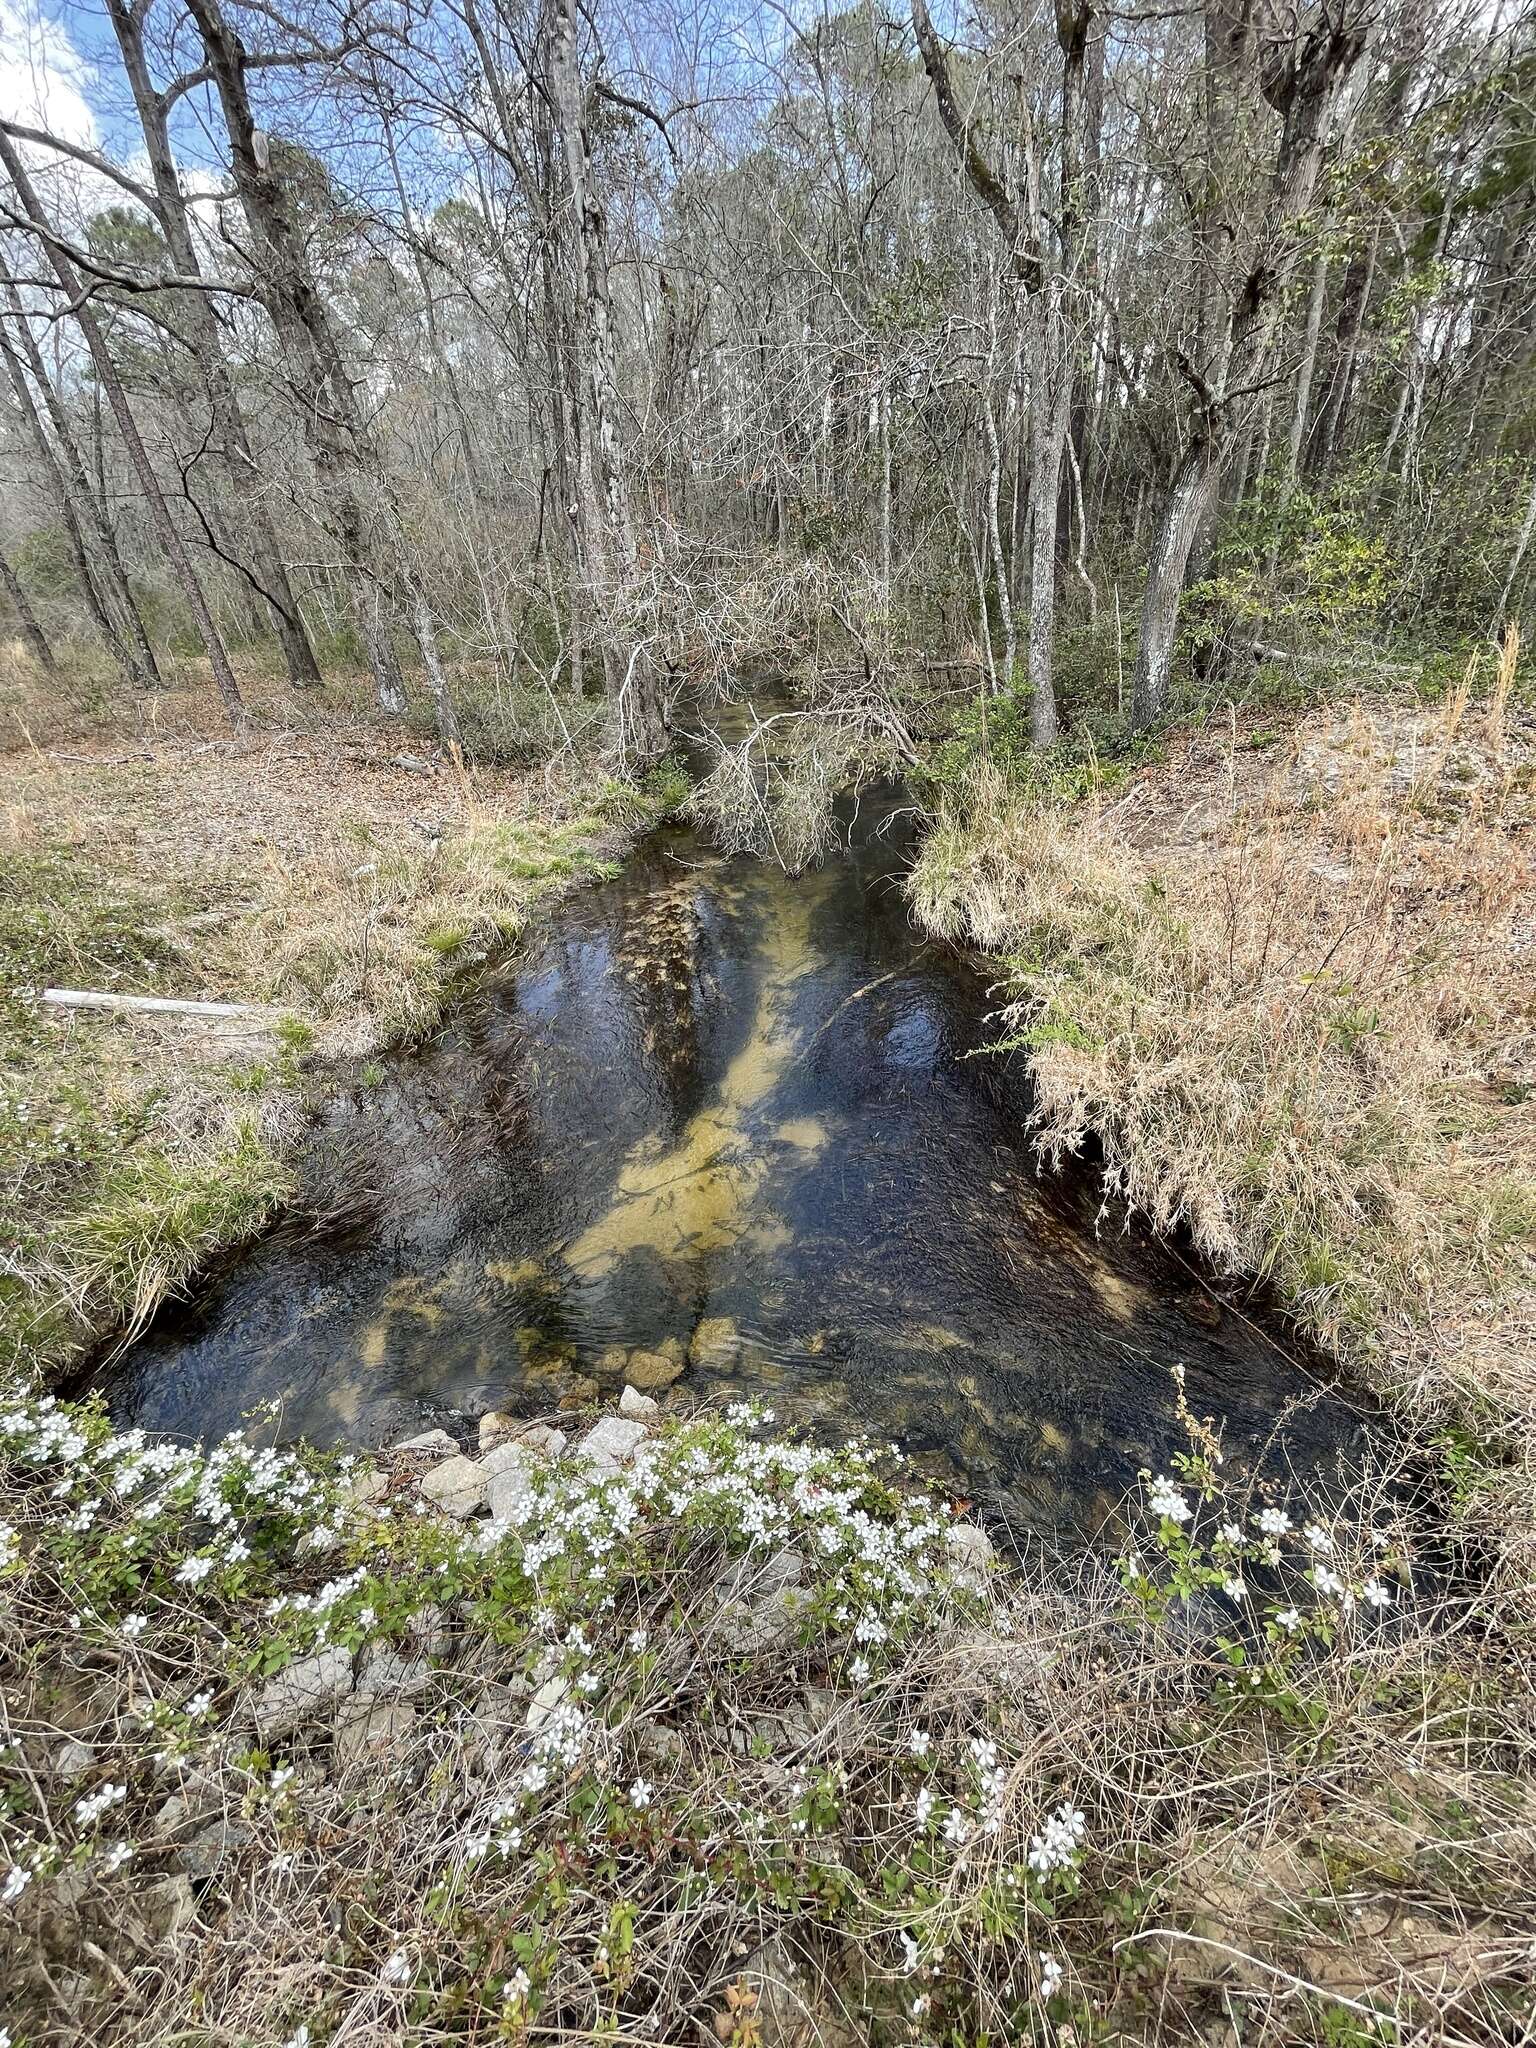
point(1165, 1499)
point(299, 2038)
point(192, 1571)
point(517, 1986)
point(133, 1625)
point(198, 1705)
point(858, 1670)
point(398, 1969)
point(1272, 1521)
point(16, 1882)
point(957, 1828)
point(923, 1805)
point(1326, 1579)
point(1234, 1589)
point(281, 1776)
point(1376, 1593)
point(1050, 1975)
point(1231, 1533)
point(919, 1742)
point(640, 1793)
point(638, 1638)
point(1056, 1847)
point(95, 1804)
point(116, 1857)
point(1289, 1619)
point(1318, 1538)
point(909, 1951)
point(920, 2005)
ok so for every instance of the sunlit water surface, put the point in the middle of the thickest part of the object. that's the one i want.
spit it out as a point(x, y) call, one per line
point(735, 1109)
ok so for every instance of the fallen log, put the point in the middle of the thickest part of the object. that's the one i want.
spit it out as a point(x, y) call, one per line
point(99, 999)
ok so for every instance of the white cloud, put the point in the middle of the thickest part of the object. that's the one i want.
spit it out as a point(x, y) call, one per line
point(43, 77)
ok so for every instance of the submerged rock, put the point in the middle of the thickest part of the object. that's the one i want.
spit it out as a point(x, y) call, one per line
point(715, 1341)
point(652, 1369)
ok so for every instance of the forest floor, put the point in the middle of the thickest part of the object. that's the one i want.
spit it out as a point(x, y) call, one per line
point(1284, 976)
point(324, 868)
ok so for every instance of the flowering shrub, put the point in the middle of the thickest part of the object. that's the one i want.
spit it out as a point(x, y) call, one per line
point(730, 1731)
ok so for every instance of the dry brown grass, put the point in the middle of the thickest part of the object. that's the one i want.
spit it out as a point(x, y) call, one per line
point(1291, 996)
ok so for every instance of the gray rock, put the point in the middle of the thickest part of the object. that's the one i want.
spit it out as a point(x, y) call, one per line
point(638, 1407)
point(72, 1760)
point(970, 1553)
point(368, 1485)
point(383, 1672)
point(795, 2007)
point(764, 1622)
point(496, 1427)
point(551, 1694)
point(211, 1848)
point(613, 1441)
point(304, 1690)
point(428, 1632)
point(512, 1469)
point(429, 1440)
point(457, 1487)
point(373, 1731)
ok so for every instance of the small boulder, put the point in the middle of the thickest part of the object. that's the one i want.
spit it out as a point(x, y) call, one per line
point(384, 1672)
point(715, 1341)
point(638, 1407)
point(541, 1708)
point(211, 1848)
point(511, 1469)
point(613, 1441)
point(971, 1554)
point(496, 1427)
point(458, 1487)
point(538, 1436)
point(652, 1369)
point(373, 1731)
point(72, 1760)
point(305, 1690)
point(610, 1364)
point(435, 1440)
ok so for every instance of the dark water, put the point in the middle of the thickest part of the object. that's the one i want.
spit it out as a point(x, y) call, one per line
point(733, 1109)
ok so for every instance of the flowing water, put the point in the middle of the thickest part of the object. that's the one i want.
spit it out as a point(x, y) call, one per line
point(727, 1112)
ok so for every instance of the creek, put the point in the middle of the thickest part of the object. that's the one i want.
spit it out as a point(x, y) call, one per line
point(724, 1115)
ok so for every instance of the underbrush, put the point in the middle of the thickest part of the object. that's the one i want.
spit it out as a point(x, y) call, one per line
point(745, 1741)
point(1299, 1030)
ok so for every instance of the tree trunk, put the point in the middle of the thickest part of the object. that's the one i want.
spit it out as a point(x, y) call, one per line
point(1522, 543)
point(346, 466)
point(239, 464)
point(166, 529)
point(31, 631)
point(104, 580)
point(605, 528)
point(1194, 487)
point(1050, 396)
